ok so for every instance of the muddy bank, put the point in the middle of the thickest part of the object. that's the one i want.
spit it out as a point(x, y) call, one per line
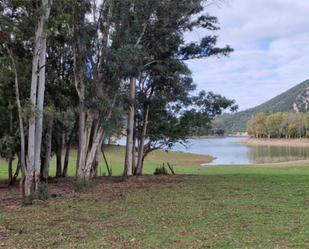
point(304, 142)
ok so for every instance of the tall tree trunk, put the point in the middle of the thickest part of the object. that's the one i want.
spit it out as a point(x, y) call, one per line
point(84, 139)
point(11, 159)
point(40, 107)
point(67, 153)
point(30, 176)
point(66, 159)
point(134, 147)
point(90, 131)
point(140, 160)
point(12, 182)
point(78, 69)
point(130, 128)
point(37, 99)
point(59, 159)
point(95, 164)
point(128, 167)
point(10, 169)
point(84, 171)
point(81, 134)
point(21, 124)
point(48, 149)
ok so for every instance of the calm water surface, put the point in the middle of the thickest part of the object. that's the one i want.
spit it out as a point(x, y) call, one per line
point(227, 151)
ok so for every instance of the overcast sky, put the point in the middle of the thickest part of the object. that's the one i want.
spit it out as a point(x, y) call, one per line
point(271, 42)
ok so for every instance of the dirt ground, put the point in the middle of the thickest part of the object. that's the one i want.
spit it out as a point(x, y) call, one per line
point(101, 187)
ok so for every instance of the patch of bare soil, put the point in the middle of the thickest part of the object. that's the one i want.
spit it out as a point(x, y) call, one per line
point(3, 235)
point(110, 188)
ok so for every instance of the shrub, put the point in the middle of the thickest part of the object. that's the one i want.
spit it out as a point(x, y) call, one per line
point(42, 195)
point(161, 170)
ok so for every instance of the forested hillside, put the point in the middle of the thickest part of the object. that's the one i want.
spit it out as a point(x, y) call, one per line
point(296, 99)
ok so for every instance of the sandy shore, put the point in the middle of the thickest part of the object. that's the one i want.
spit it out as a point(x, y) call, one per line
point(304, 142)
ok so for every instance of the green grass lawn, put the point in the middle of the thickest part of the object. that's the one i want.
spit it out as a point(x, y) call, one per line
point(115, 157)
point(214, 207)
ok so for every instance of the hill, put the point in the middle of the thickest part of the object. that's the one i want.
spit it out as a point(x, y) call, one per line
point(294, 100)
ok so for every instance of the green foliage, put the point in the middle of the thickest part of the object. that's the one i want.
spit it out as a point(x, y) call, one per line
point(8, 146)
point(278, 125)
point(274, 124)
point(161, 170)
point(292, 130)
point(42, 193)
point(257, 125)
point(4, 119)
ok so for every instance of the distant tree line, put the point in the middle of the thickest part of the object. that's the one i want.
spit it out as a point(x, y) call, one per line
point(279, 125)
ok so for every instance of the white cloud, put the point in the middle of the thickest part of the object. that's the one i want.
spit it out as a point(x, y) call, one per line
point(271, 41)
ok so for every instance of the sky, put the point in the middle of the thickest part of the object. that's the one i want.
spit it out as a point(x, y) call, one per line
point(271, 42)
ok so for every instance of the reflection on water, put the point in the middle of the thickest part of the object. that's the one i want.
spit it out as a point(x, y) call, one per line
point(227, 151)
point(266, 154)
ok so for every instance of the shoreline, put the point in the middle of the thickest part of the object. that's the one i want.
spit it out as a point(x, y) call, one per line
point(297, 142)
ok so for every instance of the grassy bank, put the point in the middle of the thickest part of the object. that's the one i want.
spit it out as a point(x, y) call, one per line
point(115, 157)
point(258, 206)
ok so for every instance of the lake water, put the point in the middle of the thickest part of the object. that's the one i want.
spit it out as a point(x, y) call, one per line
point(227, 151)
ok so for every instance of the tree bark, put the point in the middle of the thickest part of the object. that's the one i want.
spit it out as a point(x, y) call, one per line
point(130, 130)
point(66, 159)
point(10, 169)
point(12, 182)
point(59, 159)
point(21, 123)
point(84, 139)
point(88, 153)
point(30, 177)
point(37, 99)
point(134, 148)
point(81, 134)
point(48, 150)
point(95, 164)
point(140, 161)
point(40, 106)
point(67, 153)
point(11, 159)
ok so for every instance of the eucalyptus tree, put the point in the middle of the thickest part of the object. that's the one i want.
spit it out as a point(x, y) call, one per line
point(132, 21)
point(37, 91)
point(17, 17)
point(154, 33)
point(96, 76)
point(163, 73)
